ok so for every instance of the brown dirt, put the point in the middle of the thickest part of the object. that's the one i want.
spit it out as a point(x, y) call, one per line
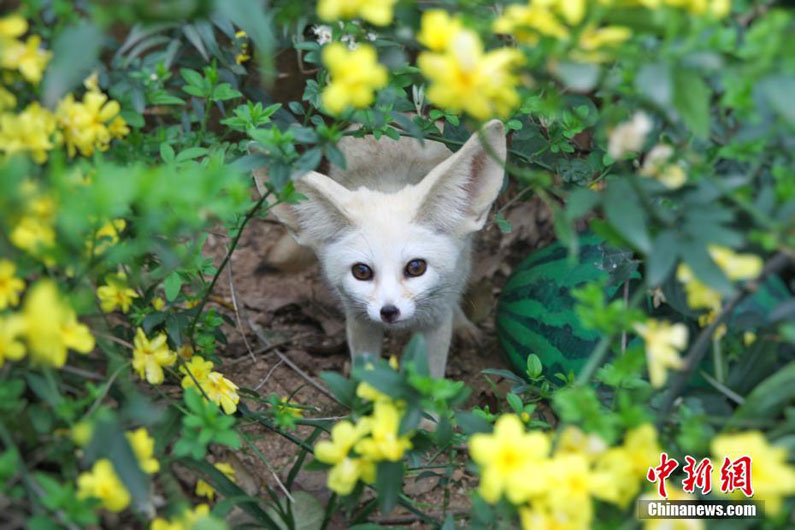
point(298, 312)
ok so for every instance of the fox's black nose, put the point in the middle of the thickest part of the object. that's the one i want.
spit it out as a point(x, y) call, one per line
point(389, 313)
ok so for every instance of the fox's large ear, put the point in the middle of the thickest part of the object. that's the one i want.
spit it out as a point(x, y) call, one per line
point(458, 193)
point(321, 216)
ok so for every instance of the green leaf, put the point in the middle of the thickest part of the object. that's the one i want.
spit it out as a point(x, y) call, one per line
point(44, 388)
point(227, 488)
point(699, 260)
point(502, 223)
point(779, 90)
point(388, 482)
point(191, 153)
point(343, 389)
point(75, 52)
point(770, 396)
point(109, 441)
point(166, 152)
point(662, 257)
point(580, 77)
point(471, 423)
point(384, 379)
point(416, 353)
point(534, 366)
point(691, 99)
point(624, 212)
point(580, 202)
point(515, 402)
point(654, 81)
point(172, 284)
point(192, 77)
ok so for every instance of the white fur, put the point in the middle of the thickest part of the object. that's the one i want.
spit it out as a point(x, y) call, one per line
point(398, 201)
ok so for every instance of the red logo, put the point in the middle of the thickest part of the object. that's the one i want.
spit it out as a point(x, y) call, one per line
point(698, 475)
point(736, 475)
point(662, 472)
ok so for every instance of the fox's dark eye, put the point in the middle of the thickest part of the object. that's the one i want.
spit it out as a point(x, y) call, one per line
point(416, 267)
point(362, 272)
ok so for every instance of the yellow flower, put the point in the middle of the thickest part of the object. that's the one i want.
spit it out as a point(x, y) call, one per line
point(116, 294)
point(76, 336)
point(103, 483)
point(736, 266)
point(464, 77)
point(368, 392)
point(541, 516)
point(642, 448)
point(218, 388)
point(772, 476)
point(81, 433)
point(286, 407)
point(188, 520)
point(355, 75)
point(32, 234)
point(706, 319)
point(10, 285)
point(203, 489)
point(10, 346)
point(7, 99)
point(570, 481)
point(510, 460)
point(593, 41)
point(628, 136)
point(30, 131)
point(221, 391)
point(185, 351)
point(85, 124)
point(150, 356)
point(13, 26)
point(344, 436)
point(342, 478)
point(50, 326)
point(573, 11)
point(613, 478)
point(527, 22)
point(664, 341)
point(118, 127)
point(347, 471)
point(144, 448)
point(378, 12)
point(107, 235)
point(384, 443)
point(438, 29)
point(199, 368)
point(699, 296)
point(158, 303)
point(27, 57)
point(573, 441)
point(158, 523)
point(749, 337)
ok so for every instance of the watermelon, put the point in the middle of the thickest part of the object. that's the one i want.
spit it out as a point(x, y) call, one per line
point(535, 311)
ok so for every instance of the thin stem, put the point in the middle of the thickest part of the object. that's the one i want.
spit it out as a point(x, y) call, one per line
point(699, 347)
point(717, 360)
point(602, 348)
point(254, 209)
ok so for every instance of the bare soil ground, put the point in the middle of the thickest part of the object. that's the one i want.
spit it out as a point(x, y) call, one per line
point(300, 318)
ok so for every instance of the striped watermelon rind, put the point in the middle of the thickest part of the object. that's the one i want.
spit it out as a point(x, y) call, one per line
point(535, 311)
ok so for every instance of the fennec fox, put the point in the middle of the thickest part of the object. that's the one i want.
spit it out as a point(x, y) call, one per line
point(393, 232)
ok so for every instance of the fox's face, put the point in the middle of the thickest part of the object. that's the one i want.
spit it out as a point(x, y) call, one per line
point(392, 270)
point(401, 259)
